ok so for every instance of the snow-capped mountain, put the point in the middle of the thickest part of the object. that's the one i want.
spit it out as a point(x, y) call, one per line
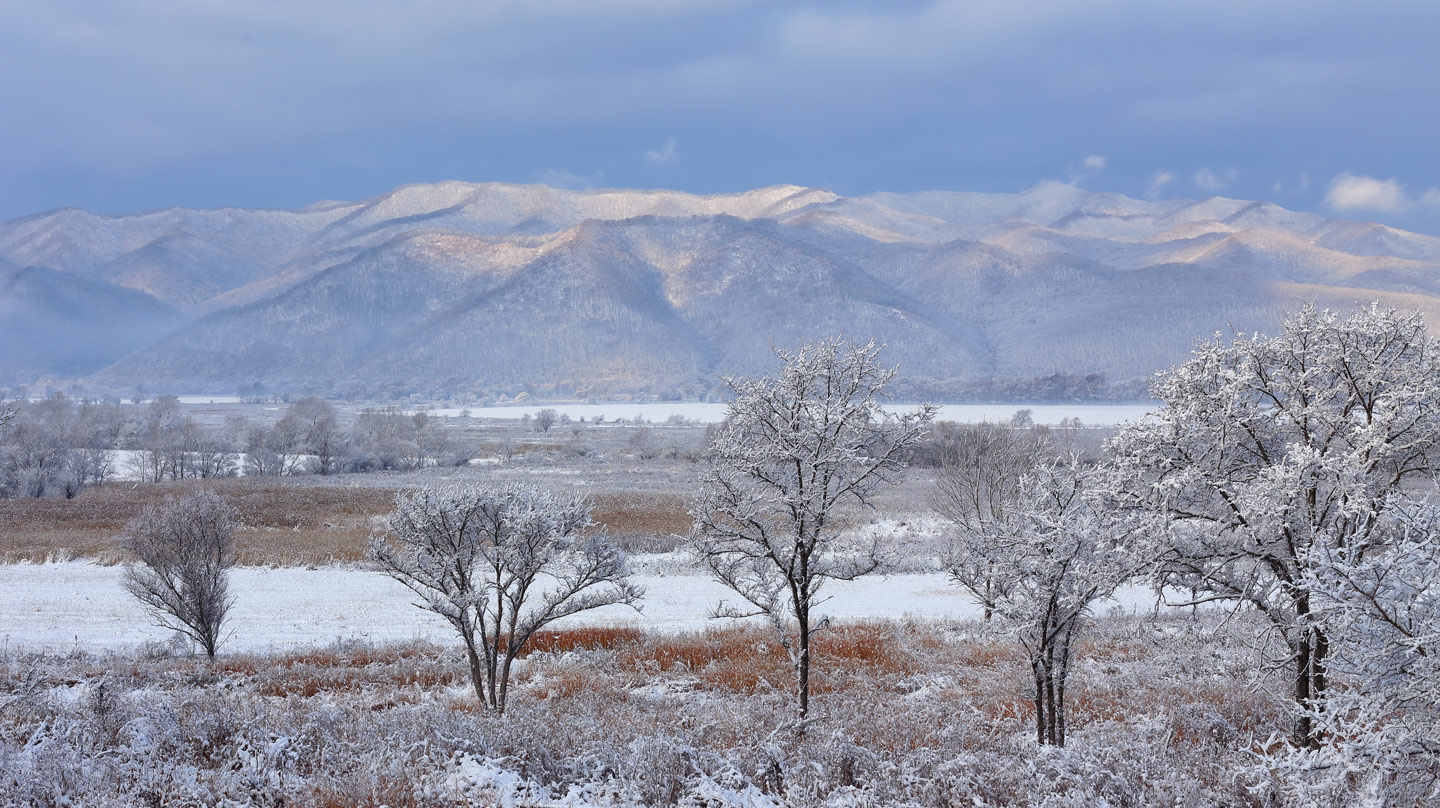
point(487, 288)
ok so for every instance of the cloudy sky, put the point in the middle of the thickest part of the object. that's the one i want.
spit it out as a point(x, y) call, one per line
point(1324, 106)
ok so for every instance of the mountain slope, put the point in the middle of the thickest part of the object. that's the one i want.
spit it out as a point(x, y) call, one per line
point(55, 323)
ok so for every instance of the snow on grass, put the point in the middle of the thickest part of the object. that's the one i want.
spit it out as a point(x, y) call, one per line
point(78, 604)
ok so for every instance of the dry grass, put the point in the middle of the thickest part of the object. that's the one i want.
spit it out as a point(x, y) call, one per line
point(643, 522)
point(893, 705)
point(284, 523)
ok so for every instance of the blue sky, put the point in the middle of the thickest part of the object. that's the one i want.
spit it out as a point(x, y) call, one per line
point(1324, 106)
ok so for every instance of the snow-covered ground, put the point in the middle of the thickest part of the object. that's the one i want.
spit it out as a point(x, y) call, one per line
point(1089, 414)
point(78, 604)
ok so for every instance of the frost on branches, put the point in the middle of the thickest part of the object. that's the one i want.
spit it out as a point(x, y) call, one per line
point(181, 573)
point(1378, 600)
point(1272, 455)
point(1061, 545)
point(499, 564)
point(977, 487)
point(794, 457)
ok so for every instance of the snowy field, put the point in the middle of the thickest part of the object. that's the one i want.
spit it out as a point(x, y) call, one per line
point(81, 605)
point(1089, 414)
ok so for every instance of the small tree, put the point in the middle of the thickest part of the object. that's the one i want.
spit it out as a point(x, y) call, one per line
point(499, 564)
point(794, 453)
point(183, 555)
point(545, 419)
point(1058, 548)
point(976, 488)
point(1270, 452)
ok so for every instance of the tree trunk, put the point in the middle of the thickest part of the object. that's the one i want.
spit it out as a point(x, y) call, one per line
point(477, 677)
point(505, 679)
point(802, 664)
point(1039, 674)
point(1310, 685)
point(1059, 705)
point(1311, 681)
point(1050, 695)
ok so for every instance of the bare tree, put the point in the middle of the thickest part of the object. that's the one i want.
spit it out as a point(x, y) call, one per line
point(183, 555)
point(795, 453)
point(545, 419)
point(316, 428)
point(499, 564)
point(976, 488)
point(1271, 452)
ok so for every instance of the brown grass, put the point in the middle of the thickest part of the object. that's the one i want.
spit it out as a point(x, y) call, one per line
point(642, 514)
point(591, 638)
point(283, 522)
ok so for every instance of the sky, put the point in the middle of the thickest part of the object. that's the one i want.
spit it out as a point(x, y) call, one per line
point(115, 107)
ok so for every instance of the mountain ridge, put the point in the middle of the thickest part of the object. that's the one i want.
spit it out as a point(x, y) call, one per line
point(474, 290)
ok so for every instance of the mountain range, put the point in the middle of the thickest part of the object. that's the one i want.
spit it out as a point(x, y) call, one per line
point(477, 290)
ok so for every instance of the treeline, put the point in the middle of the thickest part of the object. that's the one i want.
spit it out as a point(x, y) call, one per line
point(1054, 388)
point(58, 445)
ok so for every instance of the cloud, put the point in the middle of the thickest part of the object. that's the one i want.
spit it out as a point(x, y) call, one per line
point(1356, 192)
point(560, 178)
point(1301, 186)
point(664, 155)
point(1158, 181)
point(1431, 198)
point(1210, 182)
point(1096, 162)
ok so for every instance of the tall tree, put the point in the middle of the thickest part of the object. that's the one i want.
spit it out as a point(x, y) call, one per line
point(796, 454)
point(1060, 546)
point(1268, 451)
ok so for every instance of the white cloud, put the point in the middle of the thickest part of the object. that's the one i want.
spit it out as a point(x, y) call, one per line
point(1209, 181)
point(1431, 198)
point(1351, 191)
point(1096, 162)
point(664, 155)
point(1158, 183)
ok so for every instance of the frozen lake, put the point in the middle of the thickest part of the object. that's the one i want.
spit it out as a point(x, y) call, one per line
point(82, 605)
point(656, 412)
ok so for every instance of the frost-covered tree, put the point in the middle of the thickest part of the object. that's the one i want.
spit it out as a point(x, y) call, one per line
point(1270, 452)
point(1378, 601)
point(545, 419)
point(1061, 545)
point(181, 573)
point(313, 428)
point(981, 467)
point(499, 564)
point(796, 454)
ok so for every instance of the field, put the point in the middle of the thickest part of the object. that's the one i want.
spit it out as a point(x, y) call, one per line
point(933, 713)
point(332, 689)
point(284, 523)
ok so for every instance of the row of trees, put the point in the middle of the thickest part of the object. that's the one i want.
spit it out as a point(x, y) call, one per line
point(57, 446)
